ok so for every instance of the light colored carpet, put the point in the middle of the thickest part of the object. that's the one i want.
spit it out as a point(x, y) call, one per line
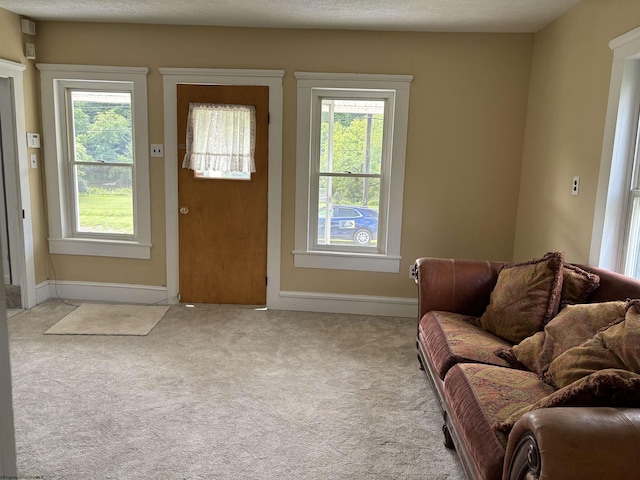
point(226, 393)
point(109, 319)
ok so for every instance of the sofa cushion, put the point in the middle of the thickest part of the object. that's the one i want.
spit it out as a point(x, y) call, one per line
point(480, 397)
point(604, 388)
point(450, 338)
point(525, 297)
point(574, 325)
point(577, 284)
point(617, 346)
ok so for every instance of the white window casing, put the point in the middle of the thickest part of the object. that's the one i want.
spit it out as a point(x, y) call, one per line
point(55, 80)
point(394, 90)
point(612, 218)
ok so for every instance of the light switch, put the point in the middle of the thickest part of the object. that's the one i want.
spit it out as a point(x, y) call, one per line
point(34, 160)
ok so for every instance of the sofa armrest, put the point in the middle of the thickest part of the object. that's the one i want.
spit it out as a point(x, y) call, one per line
point(460, 286)
point(574, 443)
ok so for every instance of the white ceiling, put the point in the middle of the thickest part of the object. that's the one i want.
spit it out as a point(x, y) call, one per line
point(405, 15)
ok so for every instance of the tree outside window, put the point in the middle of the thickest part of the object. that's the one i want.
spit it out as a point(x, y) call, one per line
point(102, 161)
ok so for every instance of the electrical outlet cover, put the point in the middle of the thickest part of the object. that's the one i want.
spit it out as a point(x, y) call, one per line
point(157, 150)
point(412, 271)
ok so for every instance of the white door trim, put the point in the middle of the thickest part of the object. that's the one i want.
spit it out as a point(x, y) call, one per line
point(212, 76)
point(7, 216)
point(24, 260)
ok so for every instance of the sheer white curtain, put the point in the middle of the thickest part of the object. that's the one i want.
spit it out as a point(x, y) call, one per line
point(221, 138)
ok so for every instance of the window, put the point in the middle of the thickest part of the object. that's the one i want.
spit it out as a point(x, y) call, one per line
point(350, 170)
point(96, 154)
point(616, 228)
point(221, 141)
point(100, 150)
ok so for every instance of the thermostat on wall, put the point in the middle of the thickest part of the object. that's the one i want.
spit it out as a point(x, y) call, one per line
point(33, 140)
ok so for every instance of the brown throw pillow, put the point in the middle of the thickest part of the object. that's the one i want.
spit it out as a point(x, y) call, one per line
point(617, 346)
point(574, 325)
point(623, 339)
point(577, 284)
point(525, 298)
point(582, 361)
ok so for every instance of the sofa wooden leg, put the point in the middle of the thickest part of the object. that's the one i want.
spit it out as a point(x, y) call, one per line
point(448, 441)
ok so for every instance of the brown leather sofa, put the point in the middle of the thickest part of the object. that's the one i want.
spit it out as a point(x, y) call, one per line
point(559, 443)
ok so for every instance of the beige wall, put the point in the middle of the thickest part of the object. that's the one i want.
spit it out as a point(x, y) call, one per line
point(10, 37)
point(11, 48)
point(478, 184)
point(570, 76)
point(467, 114)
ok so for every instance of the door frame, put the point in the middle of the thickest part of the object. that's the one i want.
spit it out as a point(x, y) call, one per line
point(213, 76)
point(18, 192)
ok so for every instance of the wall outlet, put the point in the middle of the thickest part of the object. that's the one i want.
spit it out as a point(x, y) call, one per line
point(412, 272)
point(157, 150)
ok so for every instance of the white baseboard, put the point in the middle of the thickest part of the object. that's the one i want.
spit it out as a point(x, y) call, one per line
point(42, 292)
point(301, 301)
point(357, 304)
point(102, 292)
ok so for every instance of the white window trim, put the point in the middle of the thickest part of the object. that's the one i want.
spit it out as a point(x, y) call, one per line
point(388, 261)
point(54, 126)
point(614, 181)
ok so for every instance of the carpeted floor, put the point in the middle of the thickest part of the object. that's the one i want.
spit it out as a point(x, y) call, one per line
point(218, 392)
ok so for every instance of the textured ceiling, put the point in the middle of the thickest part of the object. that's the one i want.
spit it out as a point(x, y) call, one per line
point(406, 15)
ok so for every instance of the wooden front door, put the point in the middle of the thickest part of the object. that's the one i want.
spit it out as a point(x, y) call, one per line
point(223, 223)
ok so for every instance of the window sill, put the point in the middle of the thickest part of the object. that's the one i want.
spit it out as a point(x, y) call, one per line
point(347, 261)
point(100, 248)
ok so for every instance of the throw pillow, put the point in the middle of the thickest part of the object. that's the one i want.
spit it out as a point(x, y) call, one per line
point(617, 346)
point(582, 361)
point(577, 284)
point(525, 298)
point(610, 387)
point(574, 325)
point(623, 339)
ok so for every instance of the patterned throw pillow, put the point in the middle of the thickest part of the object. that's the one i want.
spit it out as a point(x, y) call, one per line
point(525, 298)
point(577, 284)
point(615, 347)
point(574, 325)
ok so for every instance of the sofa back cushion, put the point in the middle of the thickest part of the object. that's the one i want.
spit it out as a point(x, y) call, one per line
point(613, 286)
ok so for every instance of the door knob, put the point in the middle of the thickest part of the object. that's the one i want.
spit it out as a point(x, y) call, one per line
point(184, 210)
